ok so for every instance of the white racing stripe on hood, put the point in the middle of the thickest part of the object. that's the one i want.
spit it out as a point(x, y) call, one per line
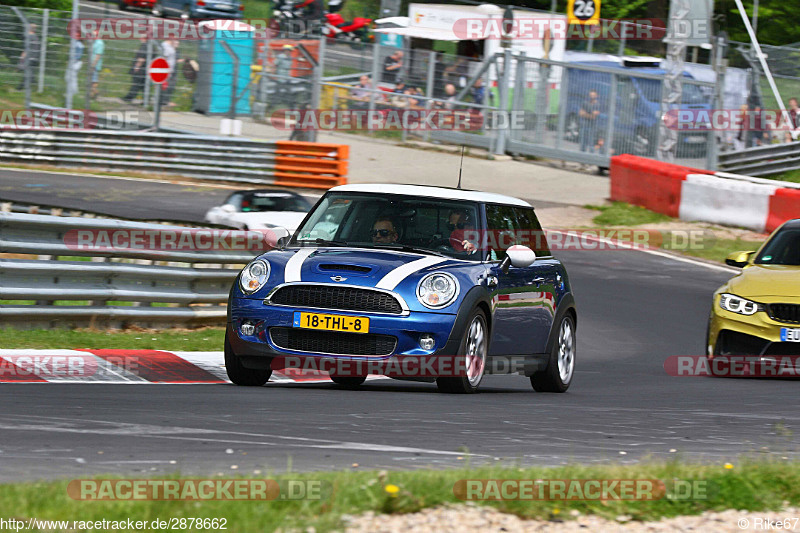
point(291, 271)
point(393, 278)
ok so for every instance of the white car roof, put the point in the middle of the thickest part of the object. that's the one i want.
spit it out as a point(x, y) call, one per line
point(432, 192)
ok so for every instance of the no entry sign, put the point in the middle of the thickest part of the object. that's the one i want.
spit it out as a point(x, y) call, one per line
point(159, 70)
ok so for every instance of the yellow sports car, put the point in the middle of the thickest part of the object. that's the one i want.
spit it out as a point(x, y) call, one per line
point(757, 312)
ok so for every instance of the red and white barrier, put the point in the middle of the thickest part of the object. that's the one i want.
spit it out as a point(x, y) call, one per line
point(128, 367)
point(691, 194)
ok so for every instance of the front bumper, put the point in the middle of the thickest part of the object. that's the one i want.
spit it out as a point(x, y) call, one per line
point(734, 334)
point(407, 329)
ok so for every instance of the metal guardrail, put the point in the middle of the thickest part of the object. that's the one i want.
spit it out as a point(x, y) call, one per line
point(195, 156)
point(186, 286)
point(762, 160)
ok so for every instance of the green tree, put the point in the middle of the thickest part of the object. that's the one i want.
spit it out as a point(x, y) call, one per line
point(60, 5)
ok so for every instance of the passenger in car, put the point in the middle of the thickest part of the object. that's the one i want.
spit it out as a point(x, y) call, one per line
point(461, 230)
point(384, 231)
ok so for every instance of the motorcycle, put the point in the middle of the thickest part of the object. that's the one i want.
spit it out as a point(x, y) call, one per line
point(335, 26)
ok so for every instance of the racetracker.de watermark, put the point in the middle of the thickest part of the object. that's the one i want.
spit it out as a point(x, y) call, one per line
point(728, 120)
point(110, 29)
point(170, 240)
point(198, 489)
point(539, 28)
point(581, 489)
point(755, 366)
point(47, 119)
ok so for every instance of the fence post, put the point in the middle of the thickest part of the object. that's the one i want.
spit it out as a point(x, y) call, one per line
point(72, 74)
point(234, 87)
point(429, 88)
point(43, 49)
point(376, 58)
point(147, 81)
point(612, 113)
point(316, 88)
point(518, 101)
point(89, 71)
point(502, 133)
point(563, 98)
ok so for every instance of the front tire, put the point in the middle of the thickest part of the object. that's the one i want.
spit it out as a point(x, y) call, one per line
point(474, 346)
point(561, 365)
point(240, 375)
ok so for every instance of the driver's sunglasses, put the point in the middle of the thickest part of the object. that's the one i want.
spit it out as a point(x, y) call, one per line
point(459, 225)
point(381, 232)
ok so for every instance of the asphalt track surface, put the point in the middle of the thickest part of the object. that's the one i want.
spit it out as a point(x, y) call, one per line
point(634, 310)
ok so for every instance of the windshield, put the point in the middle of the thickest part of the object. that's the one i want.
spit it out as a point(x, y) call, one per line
point(269, 202)
point(782, 249)
point(394, 222)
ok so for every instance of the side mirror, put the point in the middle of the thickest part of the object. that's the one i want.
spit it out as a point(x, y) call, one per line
point(518, 256)
point(228, 208)
point(738, 259)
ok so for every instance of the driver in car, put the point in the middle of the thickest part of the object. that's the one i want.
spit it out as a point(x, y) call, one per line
point(461, 228)
point(383, 231)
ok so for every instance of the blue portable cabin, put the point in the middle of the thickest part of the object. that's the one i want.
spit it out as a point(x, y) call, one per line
point(638, 105)
point(216, 67)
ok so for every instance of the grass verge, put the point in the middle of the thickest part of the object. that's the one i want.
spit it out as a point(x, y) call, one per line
point(710, 247)
point(201, 340)
point(752, 486)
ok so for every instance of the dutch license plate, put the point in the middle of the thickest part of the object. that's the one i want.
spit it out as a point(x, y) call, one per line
point(790, 334)
point(350, 324)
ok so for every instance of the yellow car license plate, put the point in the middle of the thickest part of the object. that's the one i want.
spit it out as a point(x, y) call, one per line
point(350, 324)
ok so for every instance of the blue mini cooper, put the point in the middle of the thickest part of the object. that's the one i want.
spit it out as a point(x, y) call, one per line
point(413, 282)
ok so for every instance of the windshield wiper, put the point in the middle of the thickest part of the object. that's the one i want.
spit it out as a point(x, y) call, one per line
point(407, 248)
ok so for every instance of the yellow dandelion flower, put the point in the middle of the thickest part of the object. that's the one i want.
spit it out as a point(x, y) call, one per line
point(728, 466)
point(392, 489)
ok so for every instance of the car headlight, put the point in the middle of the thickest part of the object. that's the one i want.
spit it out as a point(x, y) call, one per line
point(254, 276)
point(737, 304)
point(437, 290)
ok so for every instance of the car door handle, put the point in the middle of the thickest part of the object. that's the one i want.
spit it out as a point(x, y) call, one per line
point(538, 280)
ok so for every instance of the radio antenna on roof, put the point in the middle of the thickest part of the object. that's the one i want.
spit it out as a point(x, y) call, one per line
point(460, 166)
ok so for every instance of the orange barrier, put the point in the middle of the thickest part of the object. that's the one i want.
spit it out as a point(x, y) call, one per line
point(312, 165)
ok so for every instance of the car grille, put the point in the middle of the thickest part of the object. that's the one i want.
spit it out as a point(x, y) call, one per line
point(332, 342)
point(341, 298)
point(784, 312)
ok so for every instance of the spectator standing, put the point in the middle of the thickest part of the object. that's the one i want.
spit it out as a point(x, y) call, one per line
point(169, 49)
point(73, 67)
point(392, 66)
point(96, 62)
point(478, 92)
point(283, 73)
point(361, 93)
point(588, 114)
point(137, 71)
point(758, 134)
point(29, 59)
point(794, 117)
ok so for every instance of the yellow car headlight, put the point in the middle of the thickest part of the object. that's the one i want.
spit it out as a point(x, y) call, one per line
point(739, 305)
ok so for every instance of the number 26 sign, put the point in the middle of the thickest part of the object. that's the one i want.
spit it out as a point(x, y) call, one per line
point(583, 11)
